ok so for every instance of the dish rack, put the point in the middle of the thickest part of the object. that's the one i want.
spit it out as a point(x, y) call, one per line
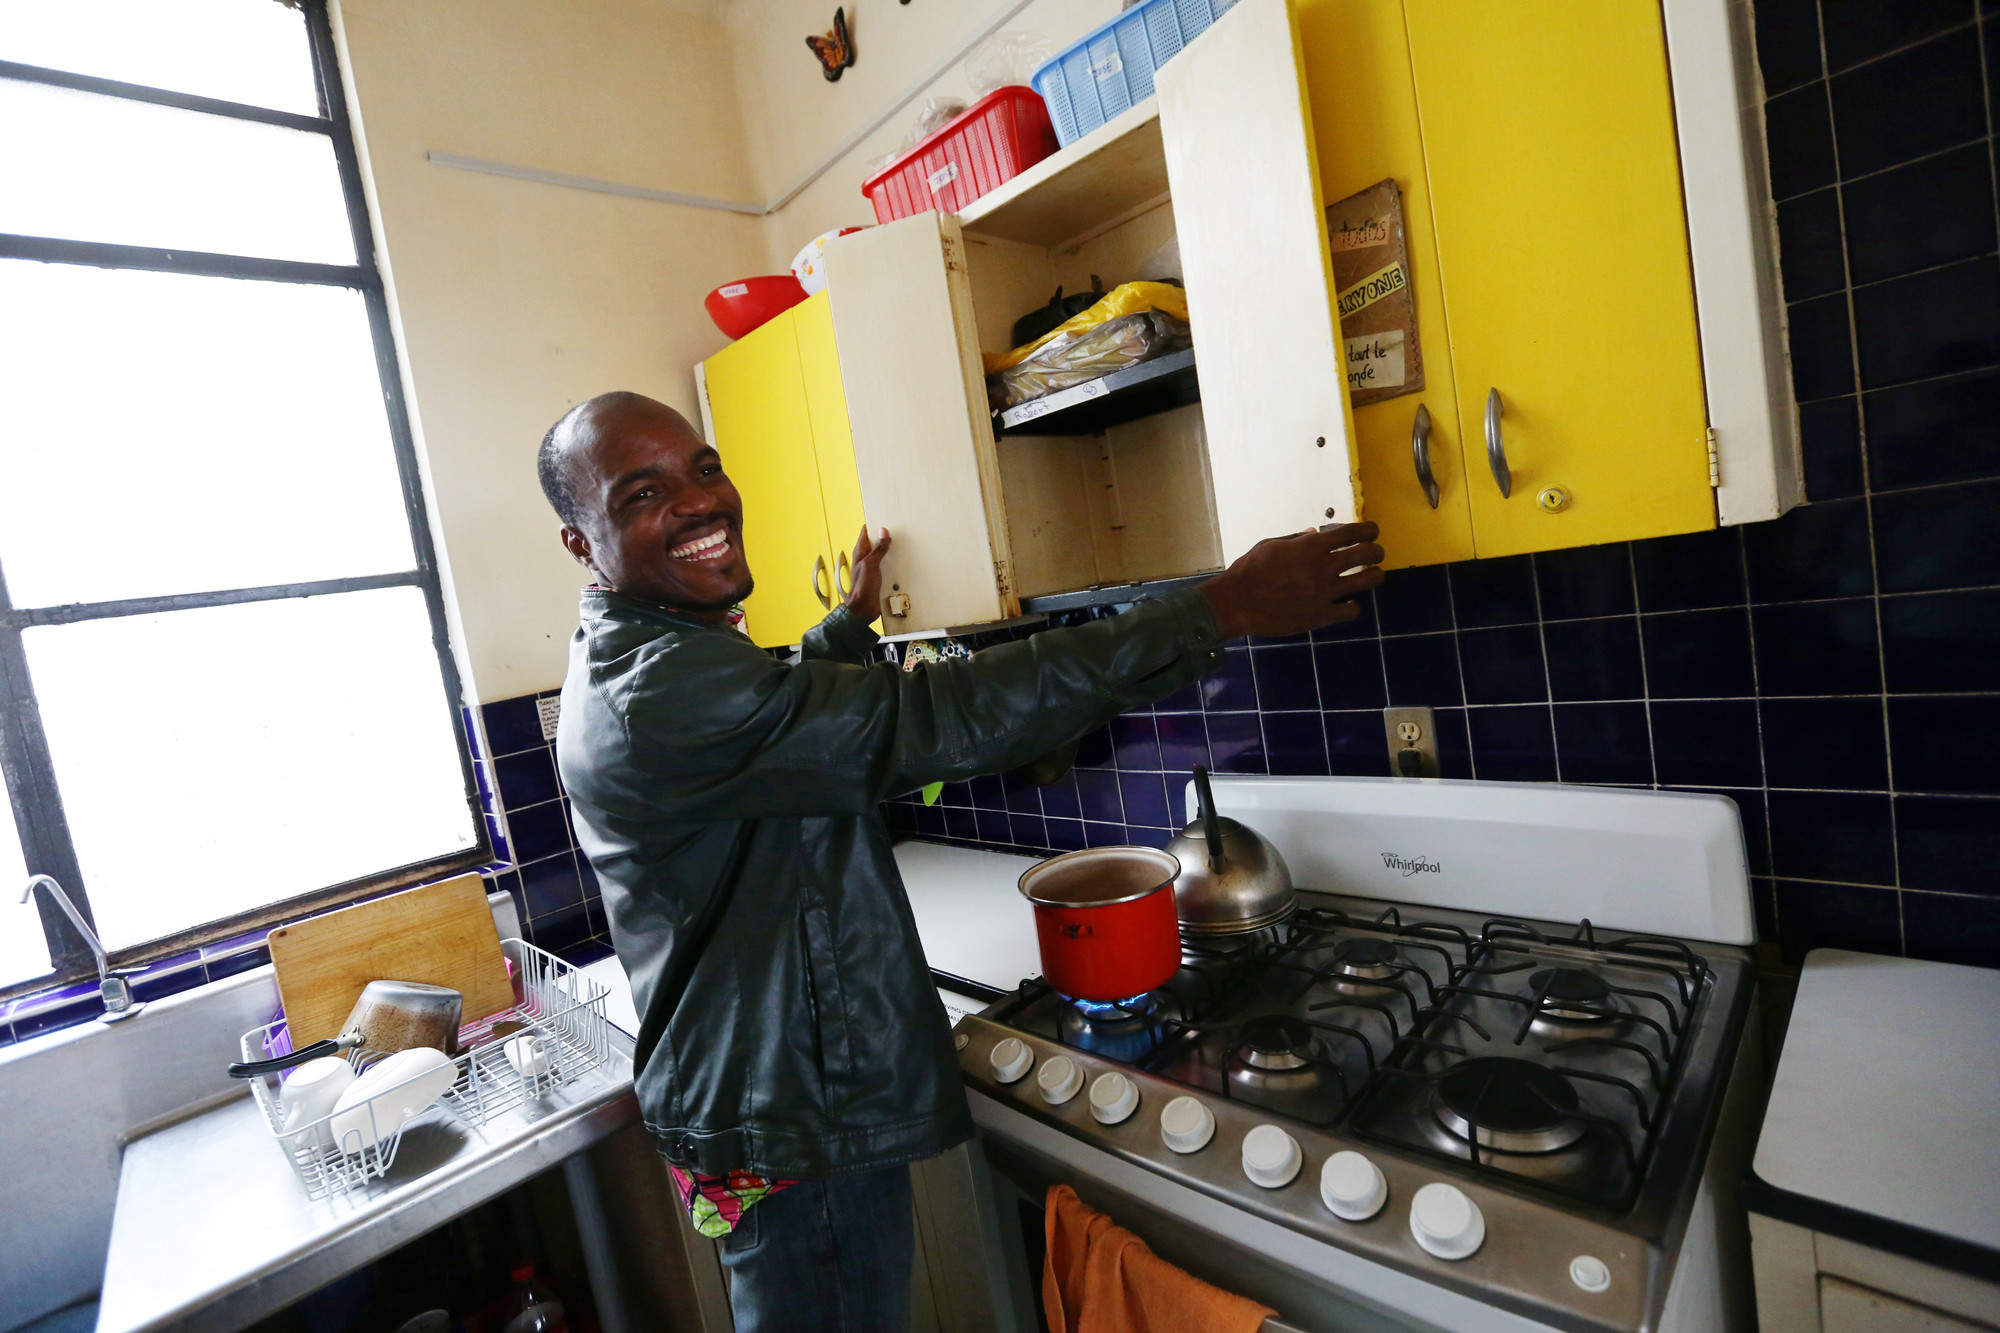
point(555, 1003)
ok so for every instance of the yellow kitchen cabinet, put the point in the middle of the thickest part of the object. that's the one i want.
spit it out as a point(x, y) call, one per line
point(1364, 113)
point(833, 442)
point(1548, 131)
point(774, 411)
point(1591, 254)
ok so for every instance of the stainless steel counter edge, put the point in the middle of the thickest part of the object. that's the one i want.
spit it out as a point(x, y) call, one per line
point(377, 1225)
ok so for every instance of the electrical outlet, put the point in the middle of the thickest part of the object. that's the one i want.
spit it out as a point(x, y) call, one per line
point(1412, 737)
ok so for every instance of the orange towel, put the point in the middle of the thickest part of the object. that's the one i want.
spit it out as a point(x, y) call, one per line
point(1100, 1278)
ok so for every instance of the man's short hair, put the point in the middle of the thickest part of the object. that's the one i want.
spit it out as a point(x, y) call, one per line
point(553, 464)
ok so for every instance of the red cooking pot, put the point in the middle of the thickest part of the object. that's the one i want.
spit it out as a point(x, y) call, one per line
point(1106, 922)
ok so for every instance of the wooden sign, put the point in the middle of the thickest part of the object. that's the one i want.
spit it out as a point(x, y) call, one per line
point(1371, 280)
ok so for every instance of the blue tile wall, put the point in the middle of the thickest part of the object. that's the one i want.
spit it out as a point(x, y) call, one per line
point(1836, 672)
point(553, 886)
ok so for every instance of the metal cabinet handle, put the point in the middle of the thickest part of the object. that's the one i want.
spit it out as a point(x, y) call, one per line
point(1420, 445)
point(843, 577)
point(1496, 449)
point(819, 579)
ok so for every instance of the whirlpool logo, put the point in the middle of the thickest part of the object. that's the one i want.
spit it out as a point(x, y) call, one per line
point(1411, 865)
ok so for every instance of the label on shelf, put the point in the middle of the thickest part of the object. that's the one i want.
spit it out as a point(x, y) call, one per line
point(943, 176)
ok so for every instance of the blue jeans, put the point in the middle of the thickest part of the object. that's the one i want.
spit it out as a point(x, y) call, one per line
point(825, 1256)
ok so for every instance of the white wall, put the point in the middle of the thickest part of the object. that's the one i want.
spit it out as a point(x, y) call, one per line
point(793, 118)
point(515, 300)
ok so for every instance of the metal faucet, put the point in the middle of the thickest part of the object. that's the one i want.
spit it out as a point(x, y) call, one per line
point(116, 990)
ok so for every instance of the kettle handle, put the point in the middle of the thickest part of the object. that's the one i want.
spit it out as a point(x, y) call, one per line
point(1211, 823)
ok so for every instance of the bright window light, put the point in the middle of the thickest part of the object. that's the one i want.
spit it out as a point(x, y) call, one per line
point(212, 762)
point(166, 433)
point(91, 168)
point(251, 51)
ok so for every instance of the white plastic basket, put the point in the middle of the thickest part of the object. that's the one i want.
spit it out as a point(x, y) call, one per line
point(560, 1007)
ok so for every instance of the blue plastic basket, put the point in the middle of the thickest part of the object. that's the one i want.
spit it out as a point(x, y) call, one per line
point(1111, 69)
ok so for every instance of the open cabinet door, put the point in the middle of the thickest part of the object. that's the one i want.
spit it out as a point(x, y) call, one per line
point(923, 440)
point(1245, 181)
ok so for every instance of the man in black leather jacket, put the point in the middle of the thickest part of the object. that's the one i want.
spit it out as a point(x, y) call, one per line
point(792, 1052)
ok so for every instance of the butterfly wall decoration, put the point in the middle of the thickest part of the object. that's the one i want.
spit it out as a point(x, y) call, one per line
point(836, 49)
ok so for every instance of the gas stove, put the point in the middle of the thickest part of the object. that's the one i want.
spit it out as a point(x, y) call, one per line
point(1493, 1103)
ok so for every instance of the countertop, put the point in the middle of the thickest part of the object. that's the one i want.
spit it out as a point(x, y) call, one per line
point(1886, 1104)
point(213, 1231)
point(970, 915)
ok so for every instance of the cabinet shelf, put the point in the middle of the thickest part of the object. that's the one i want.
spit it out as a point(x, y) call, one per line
point(1109, 176)
point(1151, 387)
point(1110, 594)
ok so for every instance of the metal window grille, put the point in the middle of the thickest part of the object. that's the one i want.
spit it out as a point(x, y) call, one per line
point(25, 757)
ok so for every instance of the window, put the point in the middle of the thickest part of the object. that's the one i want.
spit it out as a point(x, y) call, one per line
point(226, 692)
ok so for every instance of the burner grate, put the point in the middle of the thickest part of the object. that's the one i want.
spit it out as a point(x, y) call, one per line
point(1546, 1059)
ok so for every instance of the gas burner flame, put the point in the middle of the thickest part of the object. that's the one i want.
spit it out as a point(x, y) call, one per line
point(1118, 1029)
point(1137, 1006)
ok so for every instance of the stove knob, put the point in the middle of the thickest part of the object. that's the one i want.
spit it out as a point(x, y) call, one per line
point(1352, 1187)
point(1271, 1157)
point(1445, 1222)
point(1186, 1125)
point(1059, 1079)
point(1590, 1272)
point(1011, 1058)
point(1112, 1098)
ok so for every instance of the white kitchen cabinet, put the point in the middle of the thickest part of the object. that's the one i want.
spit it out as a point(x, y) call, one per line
point(1222, 162)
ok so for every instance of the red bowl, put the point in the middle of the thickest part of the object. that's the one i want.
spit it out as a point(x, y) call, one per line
point(740, 306)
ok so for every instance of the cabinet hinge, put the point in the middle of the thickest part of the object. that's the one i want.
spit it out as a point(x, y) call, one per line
point(1003, 579)
point(1714, 462)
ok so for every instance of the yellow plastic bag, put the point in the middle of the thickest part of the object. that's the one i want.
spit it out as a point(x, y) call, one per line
point(1127, 298)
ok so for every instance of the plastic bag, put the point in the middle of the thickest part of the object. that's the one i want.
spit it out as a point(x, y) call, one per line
point(932, 116)
point(1068, 360)
point(1126, 298)
point(1006, 59)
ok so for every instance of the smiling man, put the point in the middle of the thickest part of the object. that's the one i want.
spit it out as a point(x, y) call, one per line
point(792, 1053)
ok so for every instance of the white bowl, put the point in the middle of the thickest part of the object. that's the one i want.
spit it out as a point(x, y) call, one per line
point(392, 1092)
point(528, 1056)
point(310, 1095)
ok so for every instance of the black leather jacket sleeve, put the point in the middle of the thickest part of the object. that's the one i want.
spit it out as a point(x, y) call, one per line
point(841, 637)
point(720, 730)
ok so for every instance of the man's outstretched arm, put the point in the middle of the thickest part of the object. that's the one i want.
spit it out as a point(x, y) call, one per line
point(725, 732)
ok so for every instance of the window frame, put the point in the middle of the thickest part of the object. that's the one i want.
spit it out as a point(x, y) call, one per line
point(25, 760)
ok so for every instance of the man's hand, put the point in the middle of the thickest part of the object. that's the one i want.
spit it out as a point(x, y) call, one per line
point(1288, 585)
point(864, 599)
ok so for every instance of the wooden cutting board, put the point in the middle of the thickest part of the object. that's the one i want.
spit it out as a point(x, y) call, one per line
point(442, 934)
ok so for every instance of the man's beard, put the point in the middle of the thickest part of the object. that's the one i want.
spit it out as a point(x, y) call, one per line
point(729, 603)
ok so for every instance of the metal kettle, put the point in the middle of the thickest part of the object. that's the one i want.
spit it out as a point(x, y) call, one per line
point(1232, 880)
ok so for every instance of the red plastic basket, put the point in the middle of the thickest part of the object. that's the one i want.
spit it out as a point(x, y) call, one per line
point(991, 142)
